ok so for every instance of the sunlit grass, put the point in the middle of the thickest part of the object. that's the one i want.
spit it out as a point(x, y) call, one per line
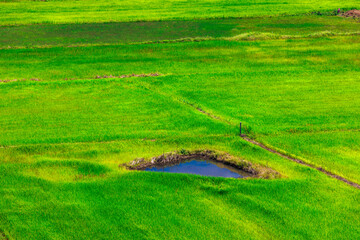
point(100, 110)
point(337, 151)
point(66, 171)
point(25, 12)
point(115, 204)
point(275, 88)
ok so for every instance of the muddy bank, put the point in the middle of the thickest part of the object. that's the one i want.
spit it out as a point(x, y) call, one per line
point(352, 14)
point(2, 235)
point(254, 170)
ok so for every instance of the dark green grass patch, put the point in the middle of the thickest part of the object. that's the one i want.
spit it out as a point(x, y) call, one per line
point(129, 32)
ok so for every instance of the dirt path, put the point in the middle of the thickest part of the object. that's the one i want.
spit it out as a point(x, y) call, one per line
point(301, 162)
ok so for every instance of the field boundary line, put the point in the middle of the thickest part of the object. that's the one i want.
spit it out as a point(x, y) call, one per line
point(269, 149)
point(133, 75)
point(184, 101)
point(330, 174)
point(244, 37)
point(96, 142)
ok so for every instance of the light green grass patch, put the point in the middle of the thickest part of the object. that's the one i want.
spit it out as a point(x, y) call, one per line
point(98, 110)
point(25, 12)
point(66, 171)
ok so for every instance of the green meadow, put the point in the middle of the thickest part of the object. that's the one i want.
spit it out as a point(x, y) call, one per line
point(13, 12)
point(66, 126)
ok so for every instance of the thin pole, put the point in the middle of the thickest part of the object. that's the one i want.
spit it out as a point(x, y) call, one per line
point(240, 129)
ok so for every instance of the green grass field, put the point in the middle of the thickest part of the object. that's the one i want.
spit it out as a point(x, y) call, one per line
point(291, 79)
point(65, 11)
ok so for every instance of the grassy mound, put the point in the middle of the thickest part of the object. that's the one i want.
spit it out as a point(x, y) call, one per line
point(66, 171)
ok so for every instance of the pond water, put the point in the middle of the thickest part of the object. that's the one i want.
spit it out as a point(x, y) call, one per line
point(202, 167)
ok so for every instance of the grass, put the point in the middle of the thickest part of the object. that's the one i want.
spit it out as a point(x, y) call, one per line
point(130, 32)
point(337, 150)
point(149, 205)
point(307, 85)
point(28, 12)
point(291, 80)
point(306, 97)
point(61, 63)
point(323, 130)
point(103, 110)
point(178, 204)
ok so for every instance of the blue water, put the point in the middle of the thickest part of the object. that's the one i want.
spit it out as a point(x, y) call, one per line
point(201, 167)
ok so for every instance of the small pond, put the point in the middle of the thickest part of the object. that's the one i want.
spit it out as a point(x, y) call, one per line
point(202, 167)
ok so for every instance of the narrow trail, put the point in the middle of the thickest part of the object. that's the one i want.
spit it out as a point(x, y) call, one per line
point(320, 169)
point(355, 185)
